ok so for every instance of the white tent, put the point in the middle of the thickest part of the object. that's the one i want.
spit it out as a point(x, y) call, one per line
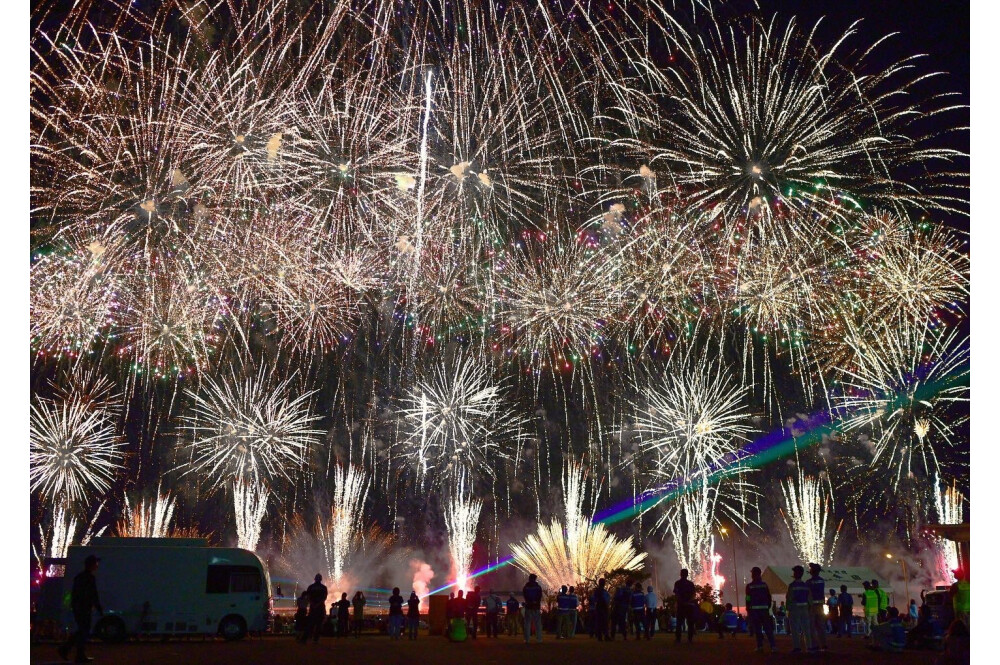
point(778, 578)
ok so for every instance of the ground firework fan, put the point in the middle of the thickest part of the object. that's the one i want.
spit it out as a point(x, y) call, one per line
point(457, 422)
point(247, 428)
point(75, 449)
point(250, 505)
point(765, 119)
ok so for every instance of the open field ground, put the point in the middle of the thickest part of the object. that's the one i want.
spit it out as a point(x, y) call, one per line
point(501, 651)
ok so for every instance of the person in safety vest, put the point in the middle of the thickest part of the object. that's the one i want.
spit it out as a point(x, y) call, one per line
point(960, 596)
point(759, 609)
point(797, 602)
point(817, 599)
point(883, 602)
point(870, 599)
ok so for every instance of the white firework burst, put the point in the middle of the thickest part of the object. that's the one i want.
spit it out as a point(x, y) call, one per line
point(458, 424)
point(75, 449)
point(247, 429)
point(61, 533)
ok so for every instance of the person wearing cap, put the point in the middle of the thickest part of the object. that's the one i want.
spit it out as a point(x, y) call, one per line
point(83, 600)
point(797, 601)
point(759, 609)
point(817, 599)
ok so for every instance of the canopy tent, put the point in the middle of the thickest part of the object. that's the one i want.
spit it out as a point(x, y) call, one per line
point(778, 578)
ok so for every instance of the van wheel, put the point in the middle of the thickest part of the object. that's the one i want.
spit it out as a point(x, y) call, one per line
point(110, 629)
point(233, 628)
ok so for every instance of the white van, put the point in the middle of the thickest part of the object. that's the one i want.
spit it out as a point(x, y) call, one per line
point(172, 586)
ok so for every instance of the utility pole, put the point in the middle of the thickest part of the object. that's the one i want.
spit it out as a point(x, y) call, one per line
point(736, 583)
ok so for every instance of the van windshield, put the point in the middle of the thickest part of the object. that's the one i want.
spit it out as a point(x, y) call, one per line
point(233, 579)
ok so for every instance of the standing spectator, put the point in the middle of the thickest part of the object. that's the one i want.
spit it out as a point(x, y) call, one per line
point(833, 614)
point(780, 616)
point(961, 595)
point(343, 615)
point(493, 606)
point(472, 603)
point(619, 611)
point(845, 603)
point(883, 602)
point(562, 616)
point(302, 616)
point(684, 591)
point(412, 616)
point(600, 604)
point(317, 608)
point(395, 614)
point(817, 598)
point(359, 612)
point(83, 600)
point(797, 601)
point(513, 615)
point(870, 598)
point(914, 614)
point(574, 612)
point(652, 604)
point(532, 593)
point(638, 618)
point(758, 599)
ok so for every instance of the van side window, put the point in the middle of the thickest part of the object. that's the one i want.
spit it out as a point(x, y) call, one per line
point(232, 579)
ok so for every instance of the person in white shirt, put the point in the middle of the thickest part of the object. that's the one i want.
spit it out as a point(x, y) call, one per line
point(652, 603)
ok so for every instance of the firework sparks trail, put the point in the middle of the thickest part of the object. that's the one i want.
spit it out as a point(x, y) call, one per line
point(250, 507)
point(461, 519)
point(948, 504)
point(350, 489)
point(62, 532)
point(74, 449)
point(150, 518)
point(247, 430)
point(809, 505)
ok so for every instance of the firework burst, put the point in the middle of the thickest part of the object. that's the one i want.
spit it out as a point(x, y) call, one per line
point(903, 395)
point(75, 449)
point(249, 429)
point(61, 533)
point(949, 505)
point(457, 422)
point(765, 120)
